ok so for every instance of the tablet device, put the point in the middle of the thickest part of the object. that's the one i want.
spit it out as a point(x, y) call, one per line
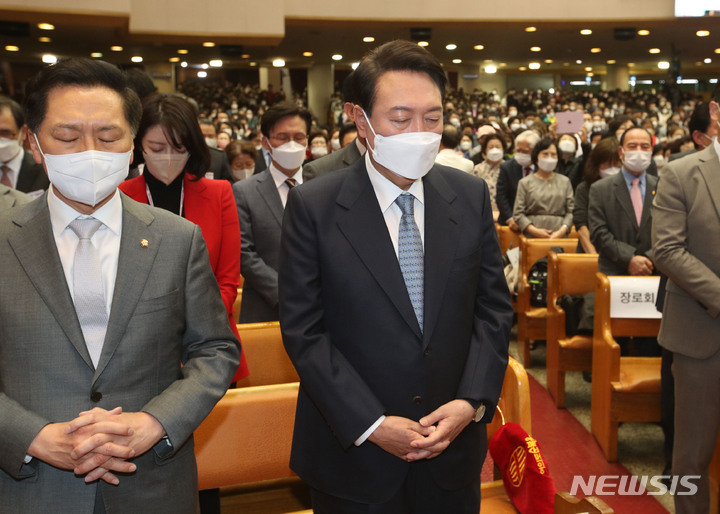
point(569, 122)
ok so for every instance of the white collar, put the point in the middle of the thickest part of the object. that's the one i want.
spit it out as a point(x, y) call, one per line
point(386, 191)
point(279, 177)
point(61, 214)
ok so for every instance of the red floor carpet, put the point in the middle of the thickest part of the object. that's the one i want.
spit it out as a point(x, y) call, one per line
point(571, 450)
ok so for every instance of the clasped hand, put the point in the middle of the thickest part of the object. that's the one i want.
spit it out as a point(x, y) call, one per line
point(98, 443)
point(425, 439)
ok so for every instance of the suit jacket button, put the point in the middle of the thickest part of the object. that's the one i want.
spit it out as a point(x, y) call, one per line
point(426, 353)
point(417, 399)
point(96, 396)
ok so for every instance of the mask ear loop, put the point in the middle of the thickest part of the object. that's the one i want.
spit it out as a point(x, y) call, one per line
point(38, 143)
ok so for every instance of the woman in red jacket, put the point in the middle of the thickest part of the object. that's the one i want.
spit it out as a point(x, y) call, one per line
point(176, 159)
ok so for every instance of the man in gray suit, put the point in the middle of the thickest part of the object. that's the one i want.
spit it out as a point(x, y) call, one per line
point(17, 167)
point(10, 198)
point(686, 242)
point(260, 201)
point(114, 343)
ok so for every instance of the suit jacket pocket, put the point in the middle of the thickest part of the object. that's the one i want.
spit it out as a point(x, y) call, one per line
point(157, 303)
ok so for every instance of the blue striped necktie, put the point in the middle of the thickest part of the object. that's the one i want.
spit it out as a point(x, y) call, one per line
point(411, 255)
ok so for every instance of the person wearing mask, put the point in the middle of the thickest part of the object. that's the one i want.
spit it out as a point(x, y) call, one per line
point(173, 179)
point(128, 346)
point(511, 172)
point(242, 156)
point(260, 202)
point(701, 129)
point(603, 162)
point(219, 167)
point(544, 202)
point(568, 163)
point(448, 154)
point(493, 151)
point(223, 139)
point(18, 170)
point(399, 369)
point(466, 145)
point(318, 146)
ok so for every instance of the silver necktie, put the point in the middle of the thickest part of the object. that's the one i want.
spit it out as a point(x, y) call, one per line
point(411, 254)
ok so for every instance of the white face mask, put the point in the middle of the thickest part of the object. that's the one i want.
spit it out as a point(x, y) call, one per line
point(566, 146)
point(494, 154)
point(242, 173)
point(335, 144)
point(211, 142)
point(409, 155)
point(515, 126)
point(166, 167)
point(9, 148)
point(258, 147)
point(289, 156)
point(637, 161)
point(547, 163)
point(86, 177)
point(465, 146)
point(659, 161)
point(318, 151)
point(609, 172)
point(523, 159)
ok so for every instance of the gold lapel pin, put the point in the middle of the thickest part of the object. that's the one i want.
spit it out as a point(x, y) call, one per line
point(144, 243)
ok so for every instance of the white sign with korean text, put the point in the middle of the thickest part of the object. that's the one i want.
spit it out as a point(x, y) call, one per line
point(634, 297)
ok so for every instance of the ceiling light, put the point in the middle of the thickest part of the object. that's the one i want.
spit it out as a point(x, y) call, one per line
point(595, 50)
point(423, 43)
point(702, 33)
point(522, 68)
point(44, 39)
point(12, 48)
point(457, 61)
point(96, 55)
point(586, 32)
point(355, 65)
point(204, 66)
point(548, 61)
point(664, 65)
point(278, 63)
point(534, 65)
point(611, 61)
point(49, 59)
point(654, 50)
point(479, 47)
point(450, 46)
point(337, 57)
point(530, 29)
point(245, 56)
point(579, 61)
point(184, 64)
point(707, 61)
point(208, 44)
point(183, 51)
point(136, 58)
point(566, 64)
point(591, 74)
point(46, 26)
point(253, 63)
point(202, 74)
point(368, 39)
point(535, 48)
point(717, 50)
point(503, 64)
point(116, 48)
point(307, 54)
point(490, 69)
point(588, 68)
point(216, 63)
point(174, 59)
point(631, 64)
point(643, 32)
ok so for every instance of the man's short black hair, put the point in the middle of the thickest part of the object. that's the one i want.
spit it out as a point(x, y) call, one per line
point(699, 120)
point(15, 110)
point(396, 55)
point(622, 136)
point(347, 127)
point(348, 88)
point(82, 72)
point(282, 110)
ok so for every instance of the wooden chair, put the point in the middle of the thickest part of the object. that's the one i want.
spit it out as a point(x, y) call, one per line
point(574, 274)
point(623, 388)
point(531, 320)
point(508, 239)
point(266, 357)
point(565, 503)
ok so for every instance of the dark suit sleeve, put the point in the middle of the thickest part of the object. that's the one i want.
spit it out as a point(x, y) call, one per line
point(342, 396)
point(616, 251)
point(505, 206)
point(487, 359)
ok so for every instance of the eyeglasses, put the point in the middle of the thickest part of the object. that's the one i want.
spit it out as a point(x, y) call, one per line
point(283, 138)
point(8, 134)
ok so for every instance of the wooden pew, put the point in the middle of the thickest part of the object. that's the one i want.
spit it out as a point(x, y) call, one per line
point(266, 357)
point(531, 320)
point(508, 239)
point(573, 274)
point(623, 388)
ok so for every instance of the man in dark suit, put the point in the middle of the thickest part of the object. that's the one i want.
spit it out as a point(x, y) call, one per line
point(394, 308)
point(115, 342)
point(260, 201)
point(18, 170)
point(686, 242)
point(219, 165)
point(510, 174)
point(338, 160)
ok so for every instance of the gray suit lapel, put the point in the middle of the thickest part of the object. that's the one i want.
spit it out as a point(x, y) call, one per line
point(650, 189)
point(364, 227)
point(268, 192)
point(134, 264)
point(442, 234)
point(710, 170)
point(34, 246)
point(6, 200)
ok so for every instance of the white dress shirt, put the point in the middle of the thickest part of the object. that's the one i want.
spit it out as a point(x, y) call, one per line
point(386, 193)
point(106, 240)
point(279, 177)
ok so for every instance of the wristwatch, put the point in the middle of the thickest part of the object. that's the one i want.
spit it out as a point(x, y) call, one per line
point(479, 413)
